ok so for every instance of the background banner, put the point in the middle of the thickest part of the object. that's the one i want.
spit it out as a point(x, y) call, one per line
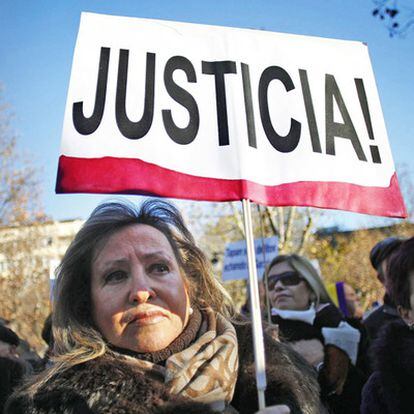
point(235, 263)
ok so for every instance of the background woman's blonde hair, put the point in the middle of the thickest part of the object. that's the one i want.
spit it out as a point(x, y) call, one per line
point(307, 271)
point(76, 338)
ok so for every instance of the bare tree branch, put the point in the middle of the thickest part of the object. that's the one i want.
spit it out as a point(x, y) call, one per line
point(289, 227)
point(238, 219)
point(269, 216)
point(306, 232)
point(19, 182)
point(397, 17)
point(281, 225)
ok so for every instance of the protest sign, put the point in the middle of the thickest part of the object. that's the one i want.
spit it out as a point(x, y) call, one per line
point(213, 113)
point(235, 264)
point(53, 265)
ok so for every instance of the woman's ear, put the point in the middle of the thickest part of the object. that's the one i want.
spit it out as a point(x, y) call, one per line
point(312, 297)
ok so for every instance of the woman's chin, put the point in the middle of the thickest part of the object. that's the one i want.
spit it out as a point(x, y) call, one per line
point(285, 304)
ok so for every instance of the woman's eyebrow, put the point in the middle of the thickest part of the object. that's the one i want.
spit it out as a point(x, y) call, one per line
point(146, 256)
point(112, 262)
point(157, 255)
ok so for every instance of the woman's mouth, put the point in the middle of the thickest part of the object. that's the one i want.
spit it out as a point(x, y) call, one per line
point(143, 318)
point(282, 297)
point(148, 320)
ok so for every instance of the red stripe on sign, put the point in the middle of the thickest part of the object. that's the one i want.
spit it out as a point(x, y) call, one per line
point(111, 175)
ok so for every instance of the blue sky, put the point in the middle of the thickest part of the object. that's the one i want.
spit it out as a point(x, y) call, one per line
point(38, 40)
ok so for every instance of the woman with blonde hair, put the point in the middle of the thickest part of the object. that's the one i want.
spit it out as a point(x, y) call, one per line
point(141, 325)
point(308, 320)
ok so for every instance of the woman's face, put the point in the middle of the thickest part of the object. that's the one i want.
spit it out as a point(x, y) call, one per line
point(287, 296)
point(139, 299)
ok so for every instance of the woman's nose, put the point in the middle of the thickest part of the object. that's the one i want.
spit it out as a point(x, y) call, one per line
point(141, 290)
point(279, 285)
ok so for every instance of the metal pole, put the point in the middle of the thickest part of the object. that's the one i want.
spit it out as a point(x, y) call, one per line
point(259, 356)
point(269, 319)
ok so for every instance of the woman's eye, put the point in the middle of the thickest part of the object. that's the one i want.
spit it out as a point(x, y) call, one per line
point(159, 268)
point(115, 277)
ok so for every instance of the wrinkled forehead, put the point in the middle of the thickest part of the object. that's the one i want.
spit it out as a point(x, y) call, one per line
point(143, 238)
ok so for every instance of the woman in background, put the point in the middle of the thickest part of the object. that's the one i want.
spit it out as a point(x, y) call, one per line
point(315, 328)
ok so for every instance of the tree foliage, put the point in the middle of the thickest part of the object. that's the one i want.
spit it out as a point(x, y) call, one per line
point(224, 224)
point(19, 177)
point(344, 256)
point(24, 282)
point(23, 275)
point(397, 17)
point(292, 225)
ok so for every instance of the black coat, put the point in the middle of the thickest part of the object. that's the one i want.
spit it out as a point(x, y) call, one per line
point(111, 386)
point(380, 317)
point(11, 374)
point(390, 389)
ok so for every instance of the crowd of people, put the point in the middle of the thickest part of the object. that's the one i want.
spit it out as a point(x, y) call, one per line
point(141, 325)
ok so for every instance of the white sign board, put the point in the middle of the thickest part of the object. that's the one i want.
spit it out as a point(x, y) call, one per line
point(235, 258)
point(214, 113)
point(53, 265)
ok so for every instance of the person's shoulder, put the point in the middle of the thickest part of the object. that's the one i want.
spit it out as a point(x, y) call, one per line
point(102, 372)
point(105, 384)
point(328, 315)
point(374, 316)
point(56, 401)
point(63, 392)
point(65, 388)
point(244, 332)
point(395, 338)
point(375, 321)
